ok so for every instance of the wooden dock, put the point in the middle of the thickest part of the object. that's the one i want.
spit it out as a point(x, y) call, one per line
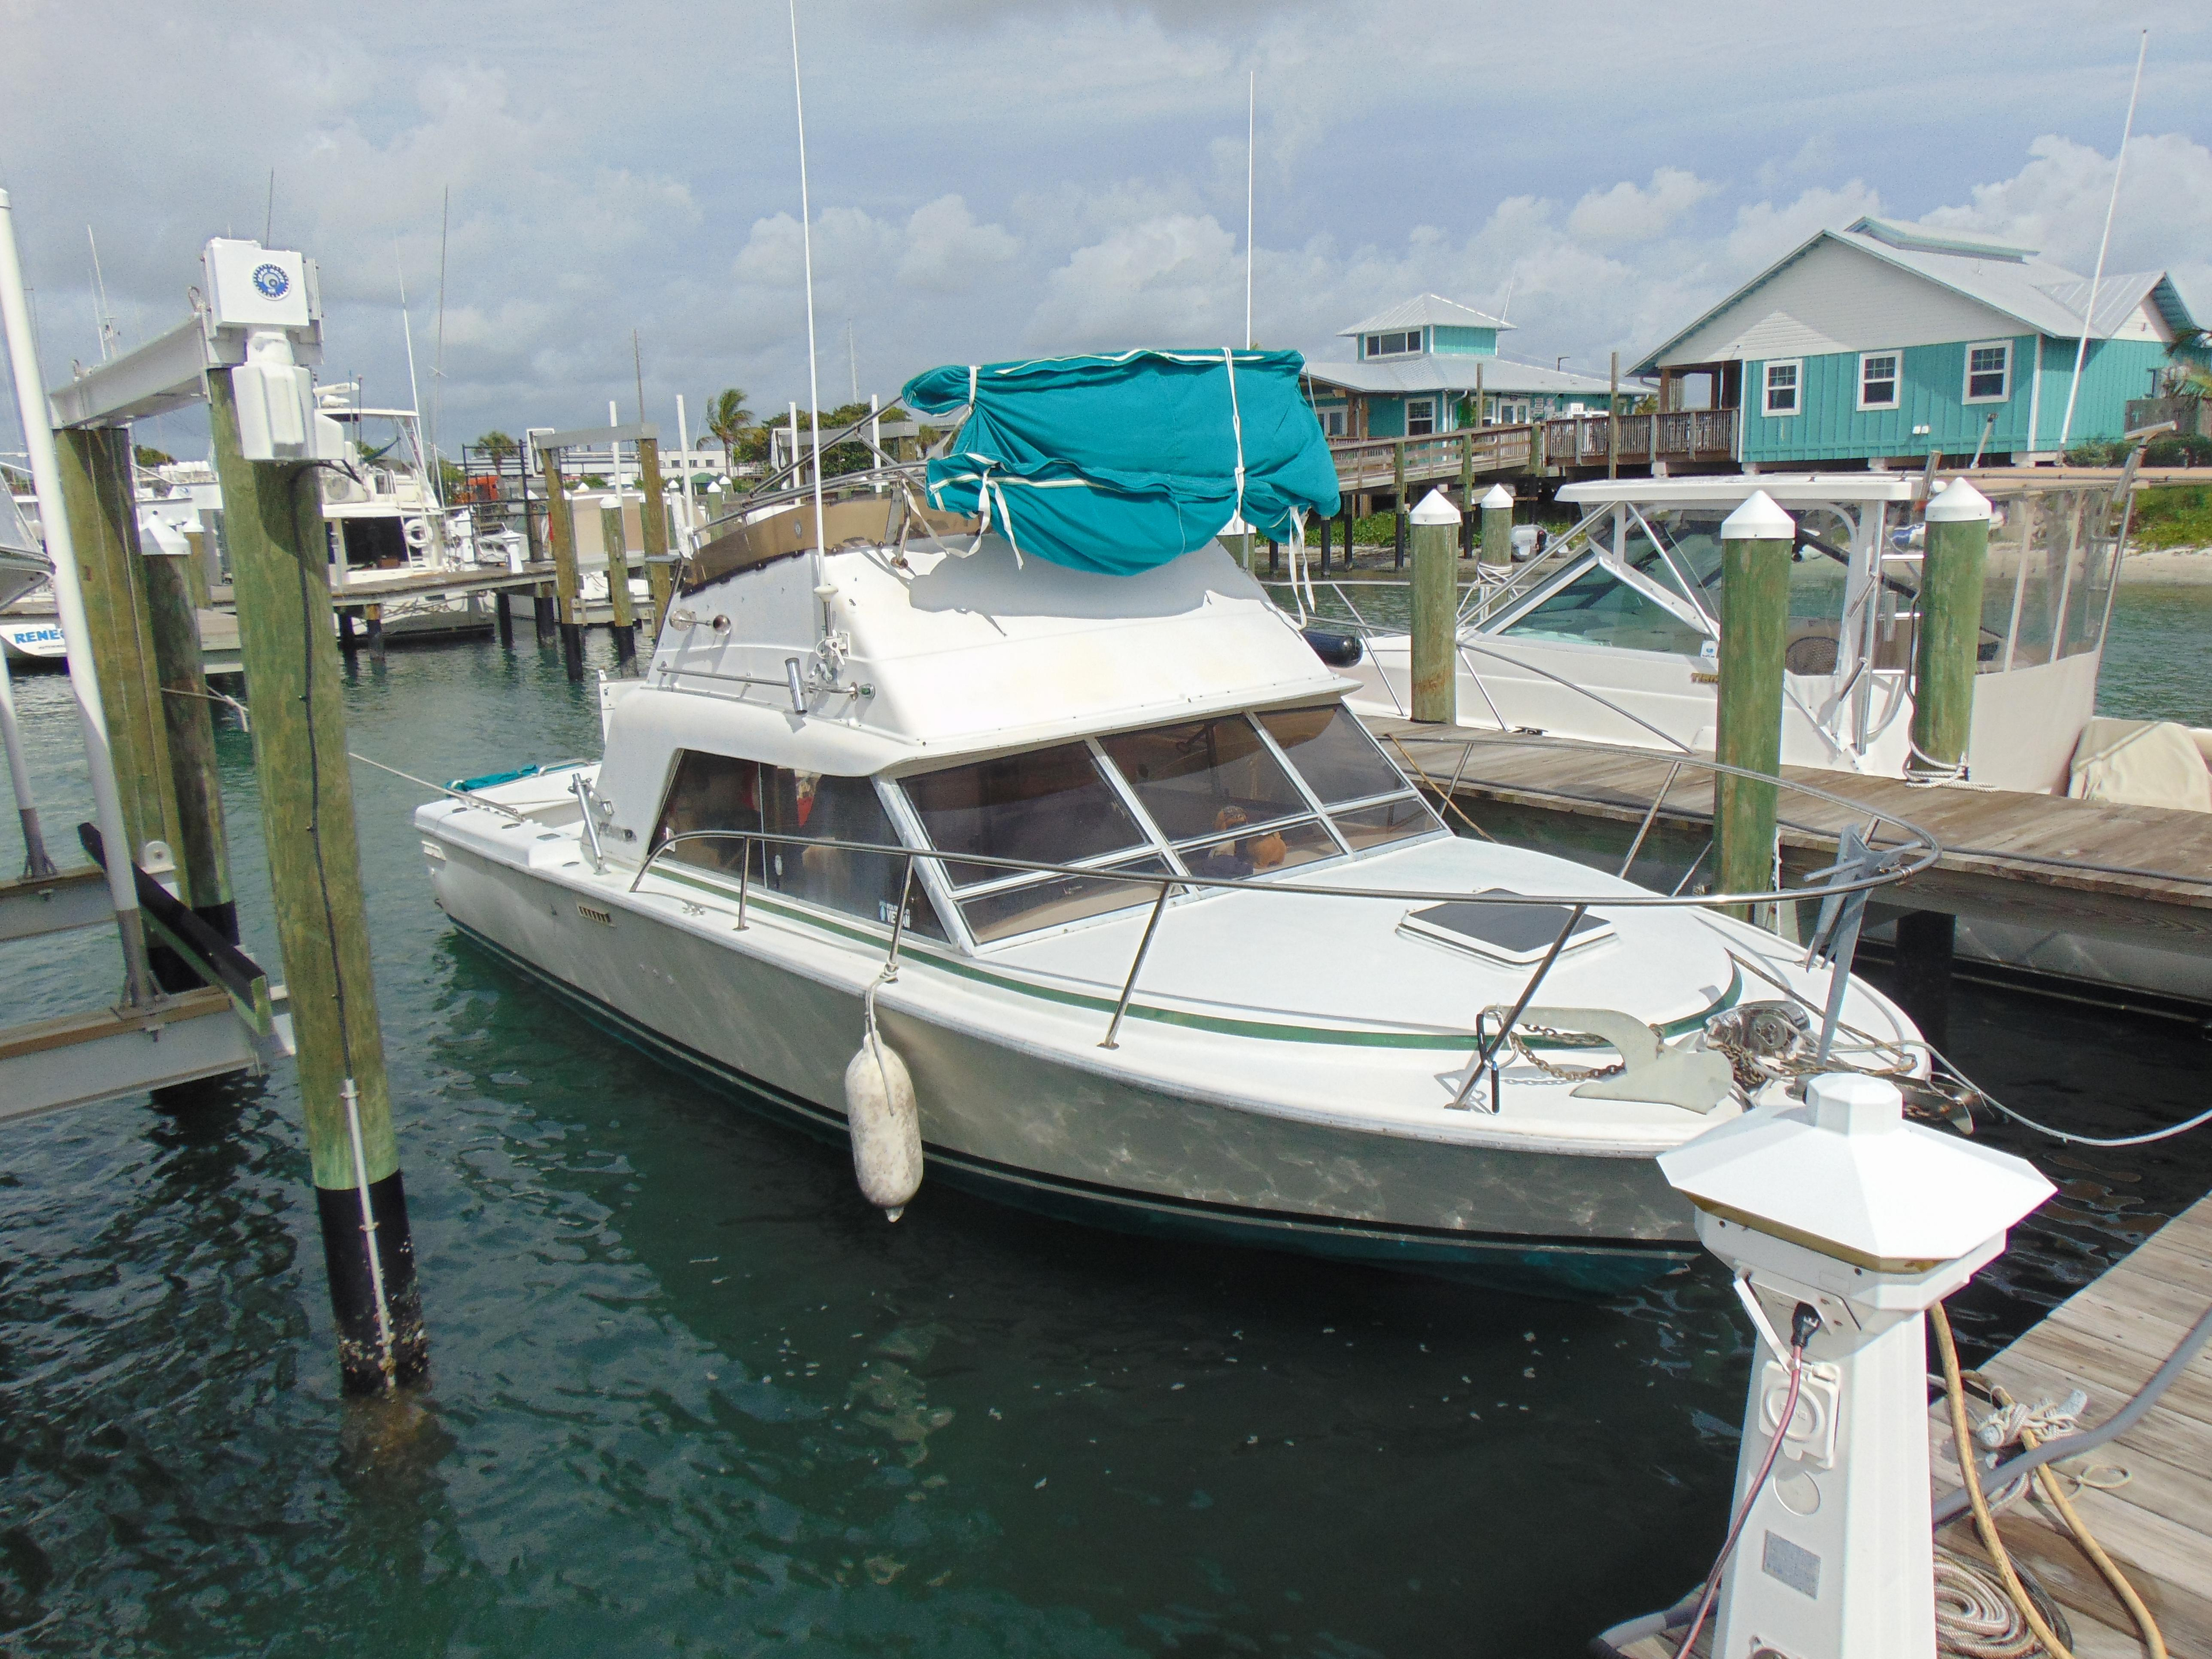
point(2156, 1522)
point(2139, 874)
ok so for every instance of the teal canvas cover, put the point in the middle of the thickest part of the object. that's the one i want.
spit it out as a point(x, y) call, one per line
point(1120, 463)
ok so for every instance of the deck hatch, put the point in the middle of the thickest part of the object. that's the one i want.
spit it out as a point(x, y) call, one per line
point(1515, 933)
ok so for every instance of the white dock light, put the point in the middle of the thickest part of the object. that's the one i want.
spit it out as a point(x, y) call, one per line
point(1841, 1207)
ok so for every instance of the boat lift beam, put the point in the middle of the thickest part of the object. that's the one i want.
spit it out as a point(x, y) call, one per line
point(163, 375)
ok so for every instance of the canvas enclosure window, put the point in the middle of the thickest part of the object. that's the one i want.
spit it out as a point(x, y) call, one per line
point(721, 792)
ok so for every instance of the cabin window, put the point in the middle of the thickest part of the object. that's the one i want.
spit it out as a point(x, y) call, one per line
point(1878, 380)
point(1217, 791)
point(1989, 371)
point(1393, 345)
point(1340, 764)
point(1049, 806)
point(715, 795)
point(1420, 416)
point(1782, 387)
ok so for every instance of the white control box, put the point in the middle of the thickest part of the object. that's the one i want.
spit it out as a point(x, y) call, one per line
point(249, 286)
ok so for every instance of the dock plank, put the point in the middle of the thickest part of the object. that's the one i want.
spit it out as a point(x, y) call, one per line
point(2008, 855)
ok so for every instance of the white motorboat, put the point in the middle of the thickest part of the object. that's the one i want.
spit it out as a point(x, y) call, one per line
point(1165, 940)
point(1612, 636)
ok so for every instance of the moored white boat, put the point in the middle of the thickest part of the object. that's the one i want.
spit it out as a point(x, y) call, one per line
point(1280, 1051)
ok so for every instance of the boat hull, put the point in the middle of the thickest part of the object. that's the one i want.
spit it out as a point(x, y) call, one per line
point(1016, 1123)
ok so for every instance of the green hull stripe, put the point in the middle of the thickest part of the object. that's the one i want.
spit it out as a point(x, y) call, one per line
point(1263, 1030)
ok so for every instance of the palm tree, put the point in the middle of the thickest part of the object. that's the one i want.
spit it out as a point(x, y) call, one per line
point(728, 419)
point(497, 445)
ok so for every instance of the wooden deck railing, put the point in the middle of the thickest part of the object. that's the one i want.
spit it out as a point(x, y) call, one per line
point(1376, 463)
point(1689, 435)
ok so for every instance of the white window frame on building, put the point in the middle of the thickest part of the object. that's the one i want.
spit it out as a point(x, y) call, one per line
point(1331, 420)
point(1403, 344)
point(1894, 379)
point(1767, 388)
point(2004, 394)
point(1427, 417)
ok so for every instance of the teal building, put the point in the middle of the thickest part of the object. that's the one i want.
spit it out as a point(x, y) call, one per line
point(1885, 342)
point(1417, 368)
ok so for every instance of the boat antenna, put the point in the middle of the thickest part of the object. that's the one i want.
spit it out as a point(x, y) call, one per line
point(269, 218)
point(637, 364)
point(852, 359)
point(438, 367)
point(105, 318)
point(414, 386)
point(813, 379)
point(2090, 312)
point(1251, 111)
point(1506, 304)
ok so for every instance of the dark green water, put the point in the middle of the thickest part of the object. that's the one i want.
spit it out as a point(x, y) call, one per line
point(693, 1396)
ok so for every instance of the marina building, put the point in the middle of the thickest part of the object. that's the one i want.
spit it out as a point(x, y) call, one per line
point(1884, 343)
point(1417, 367)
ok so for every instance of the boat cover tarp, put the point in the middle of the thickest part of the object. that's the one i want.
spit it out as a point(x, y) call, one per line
point(1120, 463)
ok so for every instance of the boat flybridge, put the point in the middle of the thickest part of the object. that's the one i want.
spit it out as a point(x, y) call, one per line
point(1016, 783)
point(1613, 636)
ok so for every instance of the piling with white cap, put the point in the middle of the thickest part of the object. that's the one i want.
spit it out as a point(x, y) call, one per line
point(1756, 543)
point(1436, 524)
point(1843, 1224)
point(1498, 525)
point(1949, 641)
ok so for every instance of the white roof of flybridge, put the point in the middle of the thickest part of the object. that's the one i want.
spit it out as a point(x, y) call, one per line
point(1731, 487)
point(979, 654)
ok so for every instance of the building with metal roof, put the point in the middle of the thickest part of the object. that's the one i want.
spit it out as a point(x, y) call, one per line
point(1886, 342)
point(1418, 366)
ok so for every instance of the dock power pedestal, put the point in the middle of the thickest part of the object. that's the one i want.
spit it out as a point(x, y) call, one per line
point(1843, 1224)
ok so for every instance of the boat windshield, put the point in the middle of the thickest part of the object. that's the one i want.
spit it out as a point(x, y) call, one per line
point(1231, 797)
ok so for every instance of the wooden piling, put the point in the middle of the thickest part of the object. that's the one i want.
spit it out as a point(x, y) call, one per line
point(505, 618)
point(1944, 655)
point(1498, 525)
point(1436, 524)
point(653, 535)
point(1613, 420)
point(98, 496)
point(203, 846)
point(372, 625)
point(1398, 507)
point(1466, 476)
point(625, 616)
point(274, 517)
point(542, 614)
point(1756, 542)
point(560, 530)
point(1926, 941)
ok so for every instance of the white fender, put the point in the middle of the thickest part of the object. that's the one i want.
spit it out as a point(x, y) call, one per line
point(883, 1121)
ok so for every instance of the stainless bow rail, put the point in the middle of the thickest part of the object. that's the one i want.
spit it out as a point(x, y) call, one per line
point(1859, 869)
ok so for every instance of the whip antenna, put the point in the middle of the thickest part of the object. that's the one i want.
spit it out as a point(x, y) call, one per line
point(807, 250)
point(1251, 108)
point(2097, 277)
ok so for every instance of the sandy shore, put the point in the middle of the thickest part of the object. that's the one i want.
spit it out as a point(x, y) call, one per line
point(2167, 567)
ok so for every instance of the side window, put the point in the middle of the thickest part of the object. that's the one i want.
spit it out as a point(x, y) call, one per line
point(717, 792)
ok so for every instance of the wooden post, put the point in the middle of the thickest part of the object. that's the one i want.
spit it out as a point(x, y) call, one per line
point(1466, 474)
point(103, 515)
point(1327, 525)
point(1436, 608)
point(1951, 569)
point(373, 620)
point(542, 614)
point(505, 618)
point(560, 530)
point(1498, 525)
point(625, 619)
point(1756, 542)
point(653, 535)
point(202, 847)
point(275, 522)
point(347, 640)
point(1612, 425)
point(1398, 507)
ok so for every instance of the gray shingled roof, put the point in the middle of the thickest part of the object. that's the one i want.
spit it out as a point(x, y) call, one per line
point(1422, 311)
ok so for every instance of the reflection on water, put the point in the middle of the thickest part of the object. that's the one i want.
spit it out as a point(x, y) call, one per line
point(691, 1392)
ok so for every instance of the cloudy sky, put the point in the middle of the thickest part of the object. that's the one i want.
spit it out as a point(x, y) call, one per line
point(993, 179)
